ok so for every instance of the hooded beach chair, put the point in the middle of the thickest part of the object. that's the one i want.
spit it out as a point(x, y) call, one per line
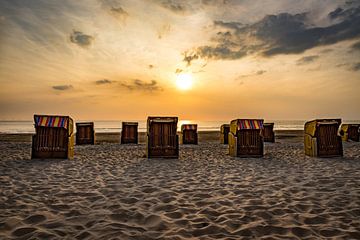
point(129, 133)
point(245, 138)
point(54, 137)
point(224, 133)
point(350, 132)
point(85, 133)
point(189, 134)
point(268, 132)
point(162, 140)
point(321, 138)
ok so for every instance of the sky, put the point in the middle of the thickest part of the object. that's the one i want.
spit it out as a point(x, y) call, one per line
point(120, 60)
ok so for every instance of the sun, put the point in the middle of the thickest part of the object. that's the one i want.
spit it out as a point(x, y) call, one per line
point(184, 81)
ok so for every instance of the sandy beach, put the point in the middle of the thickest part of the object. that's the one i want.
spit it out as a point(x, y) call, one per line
point(111, 191)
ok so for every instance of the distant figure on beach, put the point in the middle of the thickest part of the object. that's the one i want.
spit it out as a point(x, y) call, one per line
point(224, 133)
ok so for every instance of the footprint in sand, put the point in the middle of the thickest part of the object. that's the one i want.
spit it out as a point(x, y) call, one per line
point(34, 219)
point(23, 231)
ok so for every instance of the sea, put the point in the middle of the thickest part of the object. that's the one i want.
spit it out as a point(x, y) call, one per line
point(115, 126)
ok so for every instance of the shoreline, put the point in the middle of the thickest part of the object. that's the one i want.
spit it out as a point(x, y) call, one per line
point(114, 137)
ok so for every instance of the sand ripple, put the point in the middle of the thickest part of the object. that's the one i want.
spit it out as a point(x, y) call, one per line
point(111, 191)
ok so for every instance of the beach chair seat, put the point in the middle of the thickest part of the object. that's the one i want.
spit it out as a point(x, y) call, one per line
point(129, 133)
point(162, 140)
point(54, 137)
point(245, 138)
point(224, 133)
point(321, 138)
point(189, 134)
point(85, 133)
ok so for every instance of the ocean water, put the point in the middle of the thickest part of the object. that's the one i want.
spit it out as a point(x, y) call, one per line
point(115, 126)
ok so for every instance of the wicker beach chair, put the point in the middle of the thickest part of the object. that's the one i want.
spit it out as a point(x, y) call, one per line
point(85, 133)
point(162, 140)
point(268, 132)
point(350, 132)
point(54, 137)
point(321, 138)
point(129, 133)
point(189, 134)
point(245, 138)
point(224, 133)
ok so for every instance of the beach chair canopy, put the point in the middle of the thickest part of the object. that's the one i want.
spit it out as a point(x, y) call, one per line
point(245, 124)
point(189, 127)
point(54, 121)
point(268, 124)
point(312, 126)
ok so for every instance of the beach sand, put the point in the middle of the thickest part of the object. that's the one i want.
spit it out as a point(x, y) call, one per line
point(110, 191)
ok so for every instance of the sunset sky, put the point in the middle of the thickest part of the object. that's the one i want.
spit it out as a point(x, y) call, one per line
point(117, 59)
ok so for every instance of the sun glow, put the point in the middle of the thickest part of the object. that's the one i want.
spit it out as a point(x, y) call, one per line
point(184, 81)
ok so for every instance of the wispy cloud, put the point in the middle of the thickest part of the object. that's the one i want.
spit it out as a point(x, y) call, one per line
point(103, 81)
point(140, 85)
point(81, 39)
point(257, 73)
point(178, 70)
point(307, 59)
point(356, 46)
point(163, 30)
point(355, 67)
point(62, 87)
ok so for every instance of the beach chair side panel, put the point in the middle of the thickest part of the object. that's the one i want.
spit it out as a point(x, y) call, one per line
point(232, 145)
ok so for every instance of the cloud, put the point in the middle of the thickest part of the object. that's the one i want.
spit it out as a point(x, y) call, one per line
point(356, 46)
point(284, 33)
point(307, 59)
point(257, 73)
point(62, 87)
point(228, 25)
point(189, 57)
point(119, 13)
point(163, 30)
point(178, 70)
point(355, 67)
point(81, 39)
point(175, 6)
point(260, 72)
point(140, 85)
point(103, 81)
